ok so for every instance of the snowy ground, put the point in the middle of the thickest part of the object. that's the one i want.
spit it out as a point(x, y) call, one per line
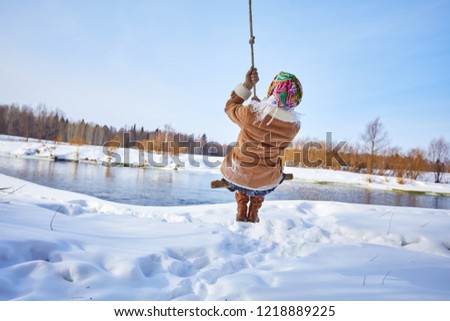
point(301, 250)
point(18, 147)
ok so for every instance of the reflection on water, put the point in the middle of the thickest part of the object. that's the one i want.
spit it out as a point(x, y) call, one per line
point(168, 187)
point(350, 194)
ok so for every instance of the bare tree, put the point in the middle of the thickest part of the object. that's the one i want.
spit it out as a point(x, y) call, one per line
point(13, 121)
point(27, 120)
point(375, 138)
point(416, 162)
point(438, 152)
point(3, 112)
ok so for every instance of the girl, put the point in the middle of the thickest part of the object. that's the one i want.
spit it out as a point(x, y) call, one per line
point(253, 168)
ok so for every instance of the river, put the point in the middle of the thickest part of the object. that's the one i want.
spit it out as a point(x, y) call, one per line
point(167, 187)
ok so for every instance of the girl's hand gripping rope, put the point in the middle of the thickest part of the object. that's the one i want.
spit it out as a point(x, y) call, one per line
point(251, 78)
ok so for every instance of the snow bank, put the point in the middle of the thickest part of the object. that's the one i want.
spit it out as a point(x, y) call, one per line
point(324, 176)
point(301, 250)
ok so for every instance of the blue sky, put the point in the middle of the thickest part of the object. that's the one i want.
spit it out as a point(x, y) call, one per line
point(175, 62)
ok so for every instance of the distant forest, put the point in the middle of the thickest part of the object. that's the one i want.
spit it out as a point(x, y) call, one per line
point(46, 124)
point(373, 154)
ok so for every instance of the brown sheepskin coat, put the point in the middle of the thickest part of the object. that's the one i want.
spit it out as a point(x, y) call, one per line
point(254, 163)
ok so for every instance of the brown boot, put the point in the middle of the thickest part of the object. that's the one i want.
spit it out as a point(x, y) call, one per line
point(241, 200)
point(255, 205)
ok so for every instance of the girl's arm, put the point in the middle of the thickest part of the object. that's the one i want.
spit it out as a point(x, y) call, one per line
point(234, 108)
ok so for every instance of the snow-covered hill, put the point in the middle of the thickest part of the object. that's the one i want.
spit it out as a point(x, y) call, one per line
point(301, 250)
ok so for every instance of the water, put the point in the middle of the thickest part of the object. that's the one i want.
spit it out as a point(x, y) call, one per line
point(166, 187)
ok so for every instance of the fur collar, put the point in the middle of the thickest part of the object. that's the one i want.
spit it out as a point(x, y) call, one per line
point(269, 106)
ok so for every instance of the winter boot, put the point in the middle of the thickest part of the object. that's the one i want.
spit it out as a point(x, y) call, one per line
point(242, 201)
point(255, 205)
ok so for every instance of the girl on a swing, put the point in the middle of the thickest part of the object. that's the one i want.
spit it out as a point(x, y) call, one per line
point(253, 168)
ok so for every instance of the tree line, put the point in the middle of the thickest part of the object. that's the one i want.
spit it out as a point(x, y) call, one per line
point(43, 123)
point(373, 154)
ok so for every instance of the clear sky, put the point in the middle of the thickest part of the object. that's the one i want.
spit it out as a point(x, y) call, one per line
point(176, 61)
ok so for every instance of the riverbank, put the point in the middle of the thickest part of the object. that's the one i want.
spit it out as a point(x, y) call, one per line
point(17, 147)
point(59, 245)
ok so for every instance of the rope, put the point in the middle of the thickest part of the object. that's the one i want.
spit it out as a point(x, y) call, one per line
point(252, 39)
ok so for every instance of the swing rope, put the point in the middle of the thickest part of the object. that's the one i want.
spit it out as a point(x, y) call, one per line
point(222, 183)
point(252, 39)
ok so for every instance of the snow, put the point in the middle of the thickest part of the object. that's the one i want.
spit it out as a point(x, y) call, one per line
point(59, 245)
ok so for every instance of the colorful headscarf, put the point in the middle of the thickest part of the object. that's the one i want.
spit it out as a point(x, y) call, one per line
point(287, 90)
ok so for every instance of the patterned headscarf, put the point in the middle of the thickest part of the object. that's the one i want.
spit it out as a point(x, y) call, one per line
point(287, 90)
